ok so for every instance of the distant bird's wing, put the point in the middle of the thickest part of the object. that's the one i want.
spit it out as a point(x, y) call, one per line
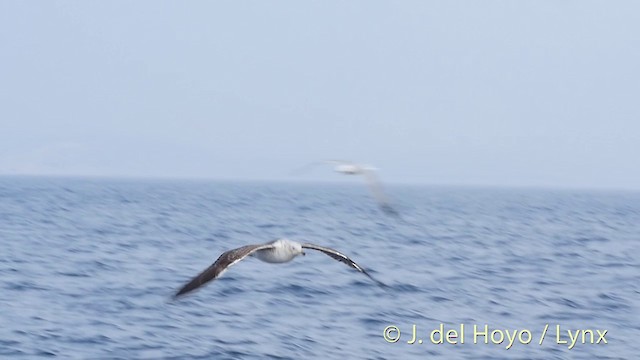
point(307, 167)
point(343, 259)
point(376, 189)
point(225, 260)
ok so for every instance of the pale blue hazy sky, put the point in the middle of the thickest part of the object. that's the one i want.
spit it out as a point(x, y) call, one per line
point(524, 93)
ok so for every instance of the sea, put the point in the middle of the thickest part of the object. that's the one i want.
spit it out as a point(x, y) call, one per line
point(89, 266)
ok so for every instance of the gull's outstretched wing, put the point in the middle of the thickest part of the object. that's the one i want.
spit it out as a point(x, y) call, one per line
point(343, 259)
point(225, 260)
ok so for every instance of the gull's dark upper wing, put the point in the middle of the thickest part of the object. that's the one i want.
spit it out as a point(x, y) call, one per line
point(225, 260)
point(343, 259)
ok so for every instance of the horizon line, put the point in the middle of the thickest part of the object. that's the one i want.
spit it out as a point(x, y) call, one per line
point(409, 183)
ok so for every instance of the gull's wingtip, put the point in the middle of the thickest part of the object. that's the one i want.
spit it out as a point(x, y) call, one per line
point(184, 291)
point(175, 297)
point(378, 282)
point(383, 285)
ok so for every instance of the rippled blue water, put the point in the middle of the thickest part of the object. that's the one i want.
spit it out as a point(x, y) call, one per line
point(87, 269)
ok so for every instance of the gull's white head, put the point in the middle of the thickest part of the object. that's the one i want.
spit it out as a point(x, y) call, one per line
point(298, 249)
point(292, 246)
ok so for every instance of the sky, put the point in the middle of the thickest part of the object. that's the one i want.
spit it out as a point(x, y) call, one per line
point(497, 93)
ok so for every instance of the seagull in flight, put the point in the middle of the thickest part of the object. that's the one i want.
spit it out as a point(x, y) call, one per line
point(277, 251)
point(369, 173)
